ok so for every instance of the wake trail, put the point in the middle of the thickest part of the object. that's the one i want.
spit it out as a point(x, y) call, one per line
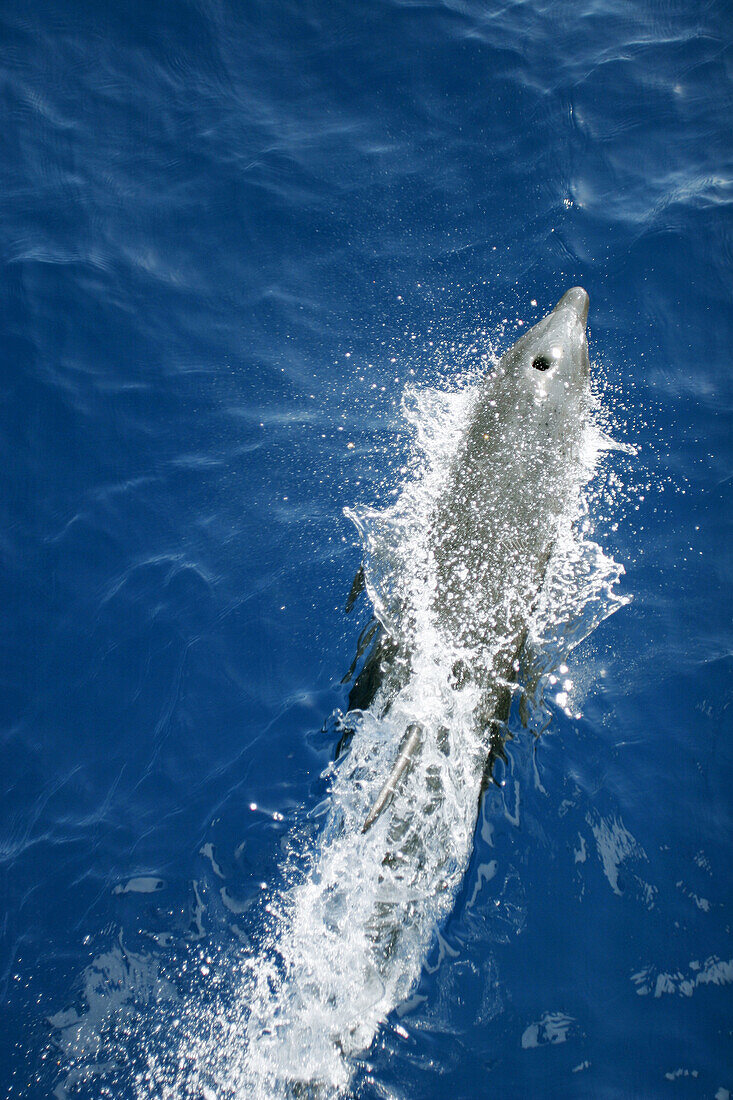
point(343, 942)
point(350, 936)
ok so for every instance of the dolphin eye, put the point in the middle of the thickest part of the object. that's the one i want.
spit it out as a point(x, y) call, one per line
point(541, 362)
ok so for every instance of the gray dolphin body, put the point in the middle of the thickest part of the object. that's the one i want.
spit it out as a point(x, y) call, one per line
point(495, 524)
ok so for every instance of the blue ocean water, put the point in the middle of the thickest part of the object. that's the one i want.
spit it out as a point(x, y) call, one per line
point(231, 235)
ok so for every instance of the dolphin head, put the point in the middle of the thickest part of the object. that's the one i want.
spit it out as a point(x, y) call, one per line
point(539, 395)
point(550, 362)
point(510, 478)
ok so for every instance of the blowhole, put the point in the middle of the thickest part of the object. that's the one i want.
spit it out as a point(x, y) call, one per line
point(541, 362)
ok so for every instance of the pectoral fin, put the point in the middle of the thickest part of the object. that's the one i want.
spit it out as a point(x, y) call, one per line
point(356, 589)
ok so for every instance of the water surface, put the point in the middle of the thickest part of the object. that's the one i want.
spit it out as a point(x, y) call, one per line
point(232, 234)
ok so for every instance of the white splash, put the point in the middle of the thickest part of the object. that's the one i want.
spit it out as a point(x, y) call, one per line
point(347, 940)
point(352, 935)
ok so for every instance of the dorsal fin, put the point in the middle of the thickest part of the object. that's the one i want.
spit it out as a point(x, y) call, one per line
point(410, 745)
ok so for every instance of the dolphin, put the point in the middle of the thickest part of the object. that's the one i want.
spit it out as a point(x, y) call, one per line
point(455, 568)
point(494, 526)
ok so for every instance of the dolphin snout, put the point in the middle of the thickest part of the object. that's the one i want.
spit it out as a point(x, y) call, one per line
point(576, 299)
